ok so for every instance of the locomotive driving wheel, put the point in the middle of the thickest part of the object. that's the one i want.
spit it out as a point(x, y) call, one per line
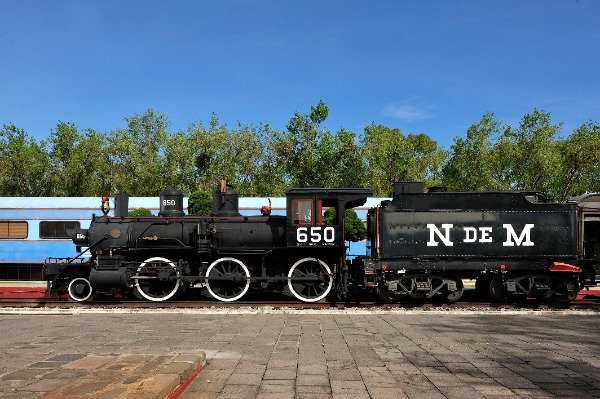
point(310, 280)
point(228, 279)
point(154, 279)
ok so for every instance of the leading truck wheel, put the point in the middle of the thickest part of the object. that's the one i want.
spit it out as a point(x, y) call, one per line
point(228, 279)
point(80, 289)
point(154, 279)
point(310, 280)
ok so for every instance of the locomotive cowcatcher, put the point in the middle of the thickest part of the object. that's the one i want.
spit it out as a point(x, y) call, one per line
point(227, 253)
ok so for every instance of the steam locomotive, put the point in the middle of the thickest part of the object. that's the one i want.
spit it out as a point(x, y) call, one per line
point(420, 245)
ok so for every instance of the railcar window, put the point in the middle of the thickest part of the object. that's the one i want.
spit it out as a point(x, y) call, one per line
point(302, 211)
point(13, 229)
point(57, 229)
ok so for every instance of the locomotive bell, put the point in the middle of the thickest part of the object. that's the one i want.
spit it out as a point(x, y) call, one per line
point(171, 203)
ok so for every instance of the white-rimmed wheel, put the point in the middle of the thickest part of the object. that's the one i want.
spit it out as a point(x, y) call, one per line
point(80, 289)
point(310, 279)
point(227, 279)
point(157, 279)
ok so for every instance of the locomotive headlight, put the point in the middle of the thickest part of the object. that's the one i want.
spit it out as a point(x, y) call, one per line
point(80, 238)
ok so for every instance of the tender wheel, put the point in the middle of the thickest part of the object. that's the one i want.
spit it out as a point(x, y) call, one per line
point(455, 295)
point(153, 279)
point(566, 293)
point(385, 295)
point(497, 289)
point(80, 289)
point(233, 279)
point(318, 283)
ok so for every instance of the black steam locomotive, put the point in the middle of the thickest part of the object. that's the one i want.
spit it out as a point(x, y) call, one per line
point(421, 245)
point(153, 257)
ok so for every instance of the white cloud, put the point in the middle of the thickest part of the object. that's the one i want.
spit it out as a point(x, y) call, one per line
point(406, 112)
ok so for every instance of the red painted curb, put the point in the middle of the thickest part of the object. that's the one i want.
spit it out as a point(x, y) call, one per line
point(22, 292)
point(179, 390)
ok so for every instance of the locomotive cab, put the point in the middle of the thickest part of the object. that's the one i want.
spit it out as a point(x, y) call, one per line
point(305, 210)
point(311, 278)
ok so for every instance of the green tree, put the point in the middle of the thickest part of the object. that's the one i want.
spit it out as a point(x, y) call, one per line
point(200, 203)
point(354, 228)
point(473, 163)
point(297, 148)
point(391, 157)
point(224, 153)
point(528, 154)
point(579, 162)
point(136, 155)
point(23, 164)
point(140, 212)
point(75, 162)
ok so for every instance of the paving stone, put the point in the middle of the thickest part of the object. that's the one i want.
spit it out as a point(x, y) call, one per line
point(312, 380)
point(182, 369)
point(239, 391)
point(311, 369)
point(245, 379)
point(280, 374)
point(91, 362)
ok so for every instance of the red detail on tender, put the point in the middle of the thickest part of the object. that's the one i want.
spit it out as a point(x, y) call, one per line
point(564, 267)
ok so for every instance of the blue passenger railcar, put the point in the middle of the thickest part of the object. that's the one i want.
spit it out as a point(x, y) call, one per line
point(34, 228)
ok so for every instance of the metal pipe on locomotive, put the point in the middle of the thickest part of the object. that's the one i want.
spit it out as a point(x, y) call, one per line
point(420, 246)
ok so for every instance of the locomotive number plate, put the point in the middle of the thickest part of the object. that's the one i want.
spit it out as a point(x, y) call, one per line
point(315, 235)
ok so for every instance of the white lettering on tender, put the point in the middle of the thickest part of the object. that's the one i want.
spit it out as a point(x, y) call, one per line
point(433, 231)
point(523, 238)
point(479, 234)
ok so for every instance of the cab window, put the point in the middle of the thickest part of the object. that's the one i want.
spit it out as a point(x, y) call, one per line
point(302, 212)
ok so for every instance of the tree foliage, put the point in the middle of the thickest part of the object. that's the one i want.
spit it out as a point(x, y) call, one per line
point(140, 212)
point(200, 203)
point(145, 156)
point(354, 228)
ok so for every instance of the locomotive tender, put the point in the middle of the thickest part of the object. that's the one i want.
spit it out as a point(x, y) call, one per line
point(420, 245)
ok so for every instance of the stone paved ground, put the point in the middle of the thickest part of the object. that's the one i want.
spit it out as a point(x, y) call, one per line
point(411, 354)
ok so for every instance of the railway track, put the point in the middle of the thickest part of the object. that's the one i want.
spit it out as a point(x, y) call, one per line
point(35, 297)
point(63, 303)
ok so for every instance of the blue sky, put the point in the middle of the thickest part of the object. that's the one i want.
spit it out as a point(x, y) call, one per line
point(432, 67)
